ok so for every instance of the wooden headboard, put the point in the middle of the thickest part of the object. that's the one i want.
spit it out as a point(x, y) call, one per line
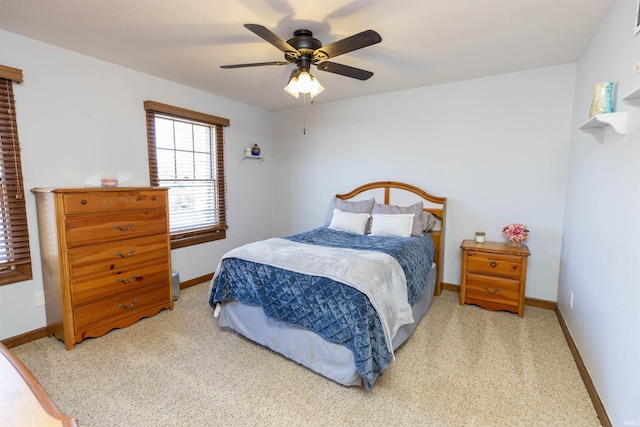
point(404, 195)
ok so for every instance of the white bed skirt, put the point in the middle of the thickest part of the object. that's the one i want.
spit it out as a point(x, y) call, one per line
point(334, 361)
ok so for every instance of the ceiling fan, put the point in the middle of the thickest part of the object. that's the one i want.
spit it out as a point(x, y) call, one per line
point(304, 50)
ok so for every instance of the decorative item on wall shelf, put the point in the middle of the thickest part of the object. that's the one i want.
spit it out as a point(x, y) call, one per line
point(255, 150)
point(516, 234)
point(602, 99)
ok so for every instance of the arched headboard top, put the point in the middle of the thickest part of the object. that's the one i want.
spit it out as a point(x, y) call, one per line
point(402, 194)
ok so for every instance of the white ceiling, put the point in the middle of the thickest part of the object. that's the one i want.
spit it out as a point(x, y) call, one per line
point(424, 42)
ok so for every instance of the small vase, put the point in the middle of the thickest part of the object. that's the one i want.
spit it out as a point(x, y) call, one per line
point(515, 243)
point(602, 99)
point(255, 150)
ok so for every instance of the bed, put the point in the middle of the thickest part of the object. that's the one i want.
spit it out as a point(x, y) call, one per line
point(340, 298)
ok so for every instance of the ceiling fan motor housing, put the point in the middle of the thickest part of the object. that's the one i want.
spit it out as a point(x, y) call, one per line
point(306, 45)
point(303, 40)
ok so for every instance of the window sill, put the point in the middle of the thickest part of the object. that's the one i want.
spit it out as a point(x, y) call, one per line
point(196, 238)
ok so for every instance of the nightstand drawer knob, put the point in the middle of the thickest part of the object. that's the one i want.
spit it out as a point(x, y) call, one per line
point(490, 291)
point(493, 263)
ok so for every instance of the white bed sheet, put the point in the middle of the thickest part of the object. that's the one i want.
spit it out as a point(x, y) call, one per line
point(331, 360)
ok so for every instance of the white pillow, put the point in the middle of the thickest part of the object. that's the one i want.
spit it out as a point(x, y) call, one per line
point(392, 225)
point(362, 206)
point(349, 221)
point(415, 209)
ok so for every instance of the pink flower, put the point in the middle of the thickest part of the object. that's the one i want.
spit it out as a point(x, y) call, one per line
point(516, 232)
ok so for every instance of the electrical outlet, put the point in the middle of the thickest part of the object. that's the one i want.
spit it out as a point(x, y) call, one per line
point(39, 299)
point(571, 300)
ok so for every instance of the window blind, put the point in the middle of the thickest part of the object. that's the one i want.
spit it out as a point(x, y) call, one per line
point(15, 255)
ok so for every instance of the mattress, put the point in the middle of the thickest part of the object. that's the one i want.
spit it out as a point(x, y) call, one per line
point(331, 360)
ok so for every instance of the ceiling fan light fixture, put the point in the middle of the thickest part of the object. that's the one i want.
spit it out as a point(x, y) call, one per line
point(293, 88)
point(303, 82)
point(315, 87)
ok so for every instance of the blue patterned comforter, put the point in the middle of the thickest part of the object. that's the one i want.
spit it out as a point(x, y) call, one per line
point(337, 312)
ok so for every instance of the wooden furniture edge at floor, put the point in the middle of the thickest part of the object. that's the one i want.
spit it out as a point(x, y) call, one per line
point(501, 269)
point(23, 400)
point(90, 288)
point(439, 209)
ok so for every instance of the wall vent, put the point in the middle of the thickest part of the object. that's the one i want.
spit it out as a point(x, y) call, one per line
point(637, 19)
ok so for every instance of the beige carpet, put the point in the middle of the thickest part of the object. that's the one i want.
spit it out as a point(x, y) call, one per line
point(464, 366)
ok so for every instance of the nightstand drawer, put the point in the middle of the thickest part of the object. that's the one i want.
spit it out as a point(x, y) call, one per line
point(495, 289)
point(499, 265)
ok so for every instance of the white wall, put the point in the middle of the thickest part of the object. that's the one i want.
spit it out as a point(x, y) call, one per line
point(80, 119)
point(496, 147)
point(601, 239)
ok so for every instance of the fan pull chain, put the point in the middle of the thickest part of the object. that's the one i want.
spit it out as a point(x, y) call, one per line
point(304, 109)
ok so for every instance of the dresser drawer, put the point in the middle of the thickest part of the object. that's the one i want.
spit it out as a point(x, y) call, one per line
point(91, 288)
point(112, 201)
point(500, 265)
point(495, 289)
point(119, 311)
point(111, 257)
point(88, 230)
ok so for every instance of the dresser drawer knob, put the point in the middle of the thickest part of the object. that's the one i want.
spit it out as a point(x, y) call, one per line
point(493, 263)
point(153, 198)
point(131, 252)
point(131, 279)
point(490, 291)
point(117, 227)
point(84, 202)
point(127, 307)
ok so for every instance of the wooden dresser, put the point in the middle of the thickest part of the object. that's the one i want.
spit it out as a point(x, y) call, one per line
point(494, 275)
point(106, 258)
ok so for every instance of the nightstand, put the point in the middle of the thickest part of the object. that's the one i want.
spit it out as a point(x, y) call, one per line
point(494, 275)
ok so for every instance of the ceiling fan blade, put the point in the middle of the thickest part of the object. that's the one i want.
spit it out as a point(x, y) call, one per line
point(268, 35)
point(255, 64)
point(355, 42)
point(344, 70)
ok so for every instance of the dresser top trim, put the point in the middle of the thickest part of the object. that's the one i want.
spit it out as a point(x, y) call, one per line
point(94, 189)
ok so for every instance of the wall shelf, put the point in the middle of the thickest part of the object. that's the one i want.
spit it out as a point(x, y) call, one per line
point(618, 121)
point(259, 158)
point(634, 94)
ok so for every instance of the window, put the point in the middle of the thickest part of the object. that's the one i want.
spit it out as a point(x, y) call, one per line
point(15, 256)
point(186, 155)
